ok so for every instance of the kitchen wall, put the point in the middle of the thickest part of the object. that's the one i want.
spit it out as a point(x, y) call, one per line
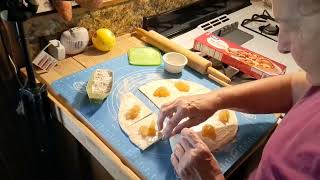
point(120, 18)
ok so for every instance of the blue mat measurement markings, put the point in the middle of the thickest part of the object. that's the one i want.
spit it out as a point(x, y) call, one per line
point(154, 163)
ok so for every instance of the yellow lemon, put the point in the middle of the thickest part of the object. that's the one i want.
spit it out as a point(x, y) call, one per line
point(104, 39)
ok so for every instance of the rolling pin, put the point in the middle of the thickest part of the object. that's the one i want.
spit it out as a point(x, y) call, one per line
point(222, 83)
point(195, 61)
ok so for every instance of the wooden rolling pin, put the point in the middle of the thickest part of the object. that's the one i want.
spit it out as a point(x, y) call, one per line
point(195, 61)
point(222, 83)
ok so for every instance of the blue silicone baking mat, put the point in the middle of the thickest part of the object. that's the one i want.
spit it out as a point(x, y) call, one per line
point(153, 163)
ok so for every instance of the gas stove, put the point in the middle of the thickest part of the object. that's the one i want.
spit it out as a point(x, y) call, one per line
point(263, 24)
point(251, 26)
point(181, 20)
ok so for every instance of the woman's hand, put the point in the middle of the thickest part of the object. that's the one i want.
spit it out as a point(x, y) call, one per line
point(192, 158)
point(64, 8)
point(196, 109)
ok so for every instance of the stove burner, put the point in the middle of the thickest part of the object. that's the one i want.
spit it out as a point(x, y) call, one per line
point(265, 29)
point(270, 29)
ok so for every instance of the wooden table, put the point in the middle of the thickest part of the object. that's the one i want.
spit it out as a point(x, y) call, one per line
point(104, 155)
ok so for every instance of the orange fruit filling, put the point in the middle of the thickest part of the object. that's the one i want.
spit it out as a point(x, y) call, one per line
point(208, 131)
point(181, 86)
point(133, 112)
point(161, 92)
point(224, 116)
point(148, 130)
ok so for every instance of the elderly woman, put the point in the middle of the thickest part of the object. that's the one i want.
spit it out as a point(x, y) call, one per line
point(293, 151)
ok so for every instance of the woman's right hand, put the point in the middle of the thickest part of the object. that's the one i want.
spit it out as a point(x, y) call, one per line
point(196, 109)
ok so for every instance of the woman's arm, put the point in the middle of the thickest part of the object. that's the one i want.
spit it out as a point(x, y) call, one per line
point(270, 95)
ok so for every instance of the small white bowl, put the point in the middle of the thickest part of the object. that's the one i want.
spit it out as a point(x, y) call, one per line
point(174, 62)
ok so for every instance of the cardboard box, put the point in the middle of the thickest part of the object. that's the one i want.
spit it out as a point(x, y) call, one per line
point(248, 62)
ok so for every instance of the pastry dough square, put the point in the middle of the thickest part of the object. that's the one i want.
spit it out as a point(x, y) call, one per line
point(127, 101)
point(135, 137)
point(149, 88)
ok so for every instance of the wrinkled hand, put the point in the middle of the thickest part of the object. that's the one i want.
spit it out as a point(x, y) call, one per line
point(192, 158)
point(196, 109)
point(64, 8)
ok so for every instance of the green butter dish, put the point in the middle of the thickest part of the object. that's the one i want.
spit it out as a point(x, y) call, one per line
point(144, 56)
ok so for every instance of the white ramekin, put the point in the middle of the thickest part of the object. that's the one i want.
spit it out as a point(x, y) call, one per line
point(174, 62)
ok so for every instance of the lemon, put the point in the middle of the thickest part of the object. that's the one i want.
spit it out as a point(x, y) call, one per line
point(103, 39)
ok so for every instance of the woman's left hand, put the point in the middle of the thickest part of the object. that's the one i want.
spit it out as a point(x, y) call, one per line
point(192, 158)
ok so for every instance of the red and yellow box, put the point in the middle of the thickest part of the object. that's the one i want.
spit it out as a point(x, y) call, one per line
point(248, 62)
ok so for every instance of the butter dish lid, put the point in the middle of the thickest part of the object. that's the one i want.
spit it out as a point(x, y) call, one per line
point(144, 56)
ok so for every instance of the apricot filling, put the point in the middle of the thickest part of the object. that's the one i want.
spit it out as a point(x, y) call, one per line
point(224, 116)
point(148, 131)
point(161, 92)
point(181, 86)
point(133, 112)
point(208, 131)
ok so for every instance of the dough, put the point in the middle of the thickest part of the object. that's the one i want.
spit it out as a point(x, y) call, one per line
point(139, 140)
point(149, 88)
point(225, 133)
point(127, 102)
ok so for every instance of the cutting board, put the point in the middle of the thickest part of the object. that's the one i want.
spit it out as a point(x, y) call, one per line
point(153, 163)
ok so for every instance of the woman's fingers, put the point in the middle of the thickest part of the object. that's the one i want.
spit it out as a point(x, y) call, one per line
point(186, 124)
point(173, 122)
point(174, 161)
point(179, 151)
point(191, 137)
point(185, 144)
point(166, 110)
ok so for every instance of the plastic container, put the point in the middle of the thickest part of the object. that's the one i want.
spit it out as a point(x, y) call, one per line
point(174, 62)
